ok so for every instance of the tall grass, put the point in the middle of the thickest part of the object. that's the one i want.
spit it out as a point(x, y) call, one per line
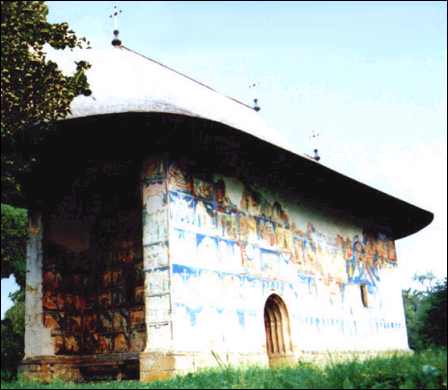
point(425, 370)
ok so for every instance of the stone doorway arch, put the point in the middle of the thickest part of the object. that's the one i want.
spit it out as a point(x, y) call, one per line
point(278, 331)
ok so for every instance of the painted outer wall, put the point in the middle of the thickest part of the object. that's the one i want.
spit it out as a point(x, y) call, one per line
point(231, 245)
point(37, 337)
point(214, 248)
point(156, 257)
point(85, 290)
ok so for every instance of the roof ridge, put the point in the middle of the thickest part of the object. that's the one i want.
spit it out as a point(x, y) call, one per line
point(184, 75)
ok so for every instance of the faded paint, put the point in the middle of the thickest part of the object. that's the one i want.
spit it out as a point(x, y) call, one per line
point(92, 270)
point(233, 245)
point(215, 270)
point(217, 258)
point(156, 257)
point(37, 338)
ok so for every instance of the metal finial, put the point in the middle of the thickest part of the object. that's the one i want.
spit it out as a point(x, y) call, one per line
point(256, 106)
point(314, 137)
point(116, 41)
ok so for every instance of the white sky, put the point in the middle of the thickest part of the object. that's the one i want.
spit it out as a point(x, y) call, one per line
point(370, 77)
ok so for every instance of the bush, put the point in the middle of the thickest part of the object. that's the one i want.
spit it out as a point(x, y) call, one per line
point(434, 318)
point(12, 337)
point(11, 351)
point(425, 370)
point(426, 314)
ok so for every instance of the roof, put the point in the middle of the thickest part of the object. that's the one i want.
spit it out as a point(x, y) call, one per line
point(123, 82)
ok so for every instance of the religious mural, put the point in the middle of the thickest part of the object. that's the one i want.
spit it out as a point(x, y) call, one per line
point(239, 244)
point(209, 226)
point(93, 289)
point(198, 234)
point(233, 300)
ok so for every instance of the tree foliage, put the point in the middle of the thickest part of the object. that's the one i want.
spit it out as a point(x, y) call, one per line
point(12, 336)
point(13, 242)
point(33, 92)
point(425, 310)
point(434, 317)
point(33, 89)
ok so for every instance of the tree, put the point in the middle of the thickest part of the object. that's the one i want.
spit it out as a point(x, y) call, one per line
point(434, 318)
point(33, 90)
point(13, 242)
point(13, 330)
point(414, 306)
point(425, 310)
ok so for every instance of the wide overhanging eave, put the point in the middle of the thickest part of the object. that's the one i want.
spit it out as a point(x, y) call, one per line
point(306, 176)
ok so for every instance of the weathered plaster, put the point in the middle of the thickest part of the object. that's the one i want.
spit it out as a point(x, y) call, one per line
point(38, 341)
point(156, 257)
point(183, 281)
point(232, 245)
point(93, 289)
point(85, 296)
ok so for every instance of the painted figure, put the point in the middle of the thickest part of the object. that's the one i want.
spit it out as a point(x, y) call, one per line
point(279, 215)
point(178, 179)
point(266, 232)
point(222, 200)
point(49, 300)
point(53, 321)
point(284, 238)
point(203, 189)
point(228, 225)
point(71, 344)
point(250, 201)
point(121, 343)
point(205, 218)
point(154, 171)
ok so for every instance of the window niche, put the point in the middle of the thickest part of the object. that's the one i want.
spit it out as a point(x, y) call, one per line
point(364, 295)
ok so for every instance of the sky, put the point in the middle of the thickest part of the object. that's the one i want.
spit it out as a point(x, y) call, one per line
point(368, 77)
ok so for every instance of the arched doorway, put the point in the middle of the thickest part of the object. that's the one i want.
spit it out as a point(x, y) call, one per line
point(278, 331)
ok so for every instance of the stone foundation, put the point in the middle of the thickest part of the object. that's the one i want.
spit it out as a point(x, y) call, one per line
point(153, 366)
point(322, 358)
point(81, 368)
point(159, 365)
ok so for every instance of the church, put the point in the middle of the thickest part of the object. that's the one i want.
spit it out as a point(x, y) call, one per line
point(170, 230)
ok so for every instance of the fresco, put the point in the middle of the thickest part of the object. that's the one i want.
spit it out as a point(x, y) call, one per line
point(238, 243)
point(204, 215)
point(157, 178)
point(93, 291)
point(200, 247)
point(232, 303)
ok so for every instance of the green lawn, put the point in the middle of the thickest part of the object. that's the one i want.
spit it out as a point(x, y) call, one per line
point(425, 370)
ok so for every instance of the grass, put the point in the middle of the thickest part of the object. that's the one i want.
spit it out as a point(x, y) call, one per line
point(424, 370)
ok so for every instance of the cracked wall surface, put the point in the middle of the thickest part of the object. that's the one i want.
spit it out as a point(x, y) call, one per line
point(233, 242)
point(37, 337)
point(92, 271)
point(178, 263)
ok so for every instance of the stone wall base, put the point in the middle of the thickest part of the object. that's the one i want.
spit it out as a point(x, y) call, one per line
point(163, 365)
point(323, 358)
point(81, 368)
point(152, 366)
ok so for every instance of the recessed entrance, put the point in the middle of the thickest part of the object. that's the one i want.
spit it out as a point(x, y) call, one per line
point(278, 331)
